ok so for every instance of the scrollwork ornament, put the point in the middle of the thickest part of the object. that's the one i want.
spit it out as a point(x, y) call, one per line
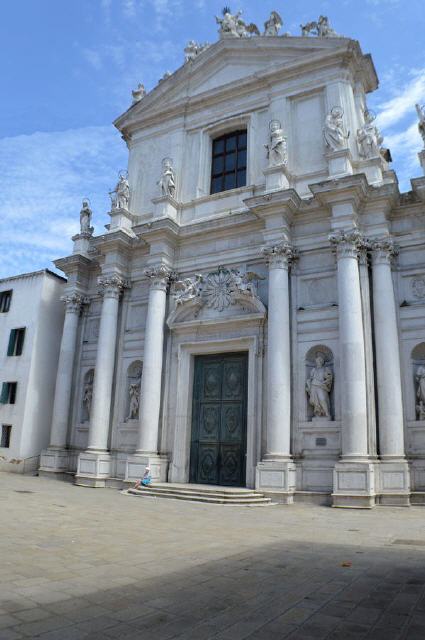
point(280, 256)
point(384, 251)
point(74, 303)
point(160, 276)
point(347, 244)
point(418, 288)
point(112, 286)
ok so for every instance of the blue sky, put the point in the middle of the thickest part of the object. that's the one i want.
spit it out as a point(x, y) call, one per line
point(67, 70)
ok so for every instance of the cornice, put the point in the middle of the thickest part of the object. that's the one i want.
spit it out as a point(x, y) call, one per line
point(353, 188)
point(72, 263)
point(286, 200)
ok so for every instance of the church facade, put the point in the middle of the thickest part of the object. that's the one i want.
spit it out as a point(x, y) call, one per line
point(253, 316)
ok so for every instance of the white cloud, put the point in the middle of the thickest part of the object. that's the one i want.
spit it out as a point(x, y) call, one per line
point(395, 109)
point(45, 176)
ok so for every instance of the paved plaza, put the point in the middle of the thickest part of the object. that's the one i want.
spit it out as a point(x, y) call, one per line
point(97, 564)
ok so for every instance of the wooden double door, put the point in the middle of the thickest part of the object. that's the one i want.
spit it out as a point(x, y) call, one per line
point(219, 418)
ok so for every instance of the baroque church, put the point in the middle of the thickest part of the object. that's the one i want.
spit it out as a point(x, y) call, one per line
point(254, 314)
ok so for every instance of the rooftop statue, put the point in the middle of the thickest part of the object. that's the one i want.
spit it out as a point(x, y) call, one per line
point(333, 131)
point(421, 125)
point(120, 196)
point(273, 24)
point(138, 93)
point(193, 49)
point(321, 28)
point(233, 25)
point(369, 138)
point(85, 218)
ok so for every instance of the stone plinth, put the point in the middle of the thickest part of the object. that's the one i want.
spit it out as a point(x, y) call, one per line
point(81, 243)
point(277, 177)
point(373, 169)
point(121, 219)
point(54, 460)
point(136, 464)
point(339, 163)
point(94, 468)
point(394, 483)
point(354, 485)
point(165, 207)
point(277, 480)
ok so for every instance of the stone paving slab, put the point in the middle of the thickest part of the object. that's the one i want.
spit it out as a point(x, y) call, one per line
point(80, 563)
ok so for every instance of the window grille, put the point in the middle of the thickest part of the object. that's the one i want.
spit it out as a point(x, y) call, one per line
point(228, 167)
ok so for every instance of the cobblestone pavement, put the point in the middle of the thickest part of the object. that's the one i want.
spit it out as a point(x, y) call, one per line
point(96, 564)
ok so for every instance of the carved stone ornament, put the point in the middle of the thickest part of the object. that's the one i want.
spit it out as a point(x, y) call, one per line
point(85, 219)
point(167, 182)
point(193, 49)
point(120, 196)
point(334, 132)
point(280, 255)
point(383, 250)
point(233, 25)
point(277, 145)
point(347, 243)
point(219, 289)
point(418, 288)
point(369, 137)
point(320, 28)
point(319, 385)
point(160, 276)
point(273, 25)
point(73, 302)
point(112, 286)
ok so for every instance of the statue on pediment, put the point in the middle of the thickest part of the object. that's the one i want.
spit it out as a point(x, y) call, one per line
point(233, 25)
point(320, 28)
point(138, 93)
point(193, 49)
point(85, 218)
point(369, 137)
point(167, 182)
point(120, 196)
point(334, 131)
point(276, 147)
point(273, 25)
point(421, 125)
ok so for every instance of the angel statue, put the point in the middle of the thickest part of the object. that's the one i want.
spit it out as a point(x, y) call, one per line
point(233, 25)
point(421, 125)
point(120, 196)
point(276, 147)
point(318, 387)
point(85, 218)
point(188, 289)
point(245, 282)
point(167, 182)
point(273, 24)
point(333, 131)
point(369, 137)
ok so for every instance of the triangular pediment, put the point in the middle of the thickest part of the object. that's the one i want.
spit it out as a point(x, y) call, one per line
point(230, 63)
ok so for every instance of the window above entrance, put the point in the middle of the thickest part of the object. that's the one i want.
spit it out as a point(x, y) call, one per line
point(228, 166)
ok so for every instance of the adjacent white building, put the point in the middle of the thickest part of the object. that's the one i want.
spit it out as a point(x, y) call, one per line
point(254, 313)
point(31, 322)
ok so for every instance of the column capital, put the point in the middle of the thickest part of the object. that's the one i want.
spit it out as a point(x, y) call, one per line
point(74, 302)
point(280, 256)
point(347, 244)
point(160, 276)
point(111, 286)
point(383, 250)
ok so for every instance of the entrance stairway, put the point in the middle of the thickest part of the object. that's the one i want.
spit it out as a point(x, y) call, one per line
point(202, 493)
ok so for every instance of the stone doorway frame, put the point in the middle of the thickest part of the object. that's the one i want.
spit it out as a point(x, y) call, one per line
point(180, 463)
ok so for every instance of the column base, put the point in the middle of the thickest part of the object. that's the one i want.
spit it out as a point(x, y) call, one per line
point(54, 460)
point(277, 177)
point(394, 483)
point(277, 480)
point(136, 464)
point(339, 163)
point(354, 485)
point(94, 468)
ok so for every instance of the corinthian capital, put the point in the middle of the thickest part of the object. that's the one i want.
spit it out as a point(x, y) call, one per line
point(280, 255)
point(111, 286)
point(74, 302)
point(384, 251)
point(348, 243)
point(160, 276)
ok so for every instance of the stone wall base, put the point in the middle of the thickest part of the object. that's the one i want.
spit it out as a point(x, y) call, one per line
point(277, 480)
point(354, 485)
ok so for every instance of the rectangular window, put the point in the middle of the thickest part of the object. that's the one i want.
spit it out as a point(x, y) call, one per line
point(8, 392)
point(5, 298)
point(16, 342)
point(228, 167)
point(6, 432)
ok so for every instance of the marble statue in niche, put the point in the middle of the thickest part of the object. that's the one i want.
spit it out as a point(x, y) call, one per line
point(85, 218)
point(421, 125)
point(134, 394)
point(167, 182)
point(134, 376)
point(318, 387)
point(273, 25)
point(420, 392)
point(334, 132)
point(276, 147)
point(120, 196)
point(87, 395)
point(369, 138)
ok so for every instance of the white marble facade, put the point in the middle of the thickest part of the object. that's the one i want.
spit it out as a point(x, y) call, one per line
point(314, 267)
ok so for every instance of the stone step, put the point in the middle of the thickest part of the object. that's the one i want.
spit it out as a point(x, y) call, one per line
point(211, 497)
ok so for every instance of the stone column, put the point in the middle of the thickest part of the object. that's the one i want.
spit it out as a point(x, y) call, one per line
point(276, 473)
point(55, 458)
point(151, 384)
point(394, 476)
point(354, 475)
point(94, 465)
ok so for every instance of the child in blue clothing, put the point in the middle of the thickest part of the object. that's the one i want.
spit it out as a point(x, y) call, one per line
point(146, 480)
